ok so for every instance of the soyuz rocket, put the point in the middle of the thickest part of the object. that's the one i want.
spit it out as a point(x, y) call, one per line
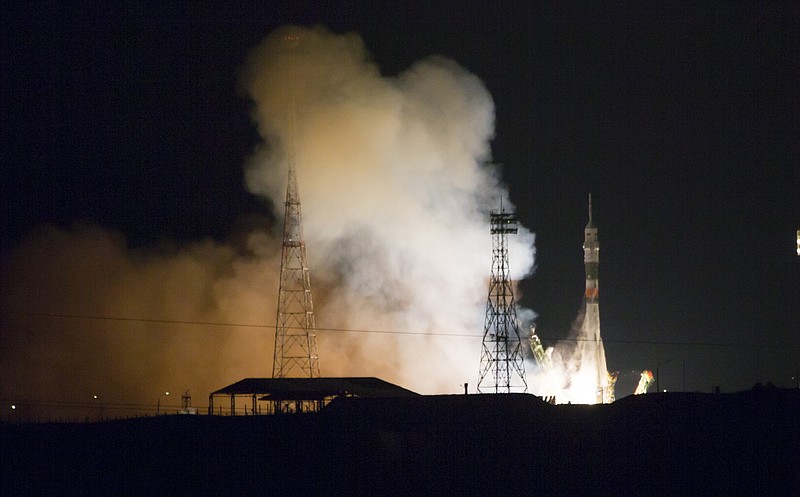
point(591, 259)
point(591, 323)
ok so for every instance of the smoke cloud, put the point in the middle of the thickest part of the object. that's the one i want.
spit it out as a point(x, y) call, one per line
point(396, 189)
point(396, 186)
point(57, 284)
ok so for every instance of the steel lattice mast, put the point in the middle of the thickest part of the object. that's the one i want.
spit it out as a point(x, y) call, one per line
point(295, 340)
point(502, 368)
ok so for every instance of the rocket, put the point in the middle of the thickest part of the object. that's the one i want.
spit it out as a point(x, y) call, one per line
point(591, 259)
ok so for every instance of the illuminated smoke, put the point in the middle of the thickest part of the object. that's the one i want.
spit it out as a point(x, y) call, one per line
point(56, 283)
point(395, 190)
point(578, 365)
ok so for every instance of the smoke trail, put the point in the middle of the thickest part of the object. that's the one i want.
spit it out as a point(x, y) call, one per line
point(395, 192)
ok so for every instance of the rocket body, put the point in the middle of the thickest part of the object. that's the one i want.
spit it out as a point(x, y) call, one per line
point(591, 259)
point(591, 320)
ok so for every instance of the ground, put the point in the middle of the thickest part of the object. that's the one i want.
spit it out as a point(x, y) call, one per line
point(656, 444)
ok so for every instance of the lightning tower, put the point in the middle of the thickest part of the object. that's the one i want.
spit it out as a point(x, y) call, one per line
point(502, 368)
point(295, 339)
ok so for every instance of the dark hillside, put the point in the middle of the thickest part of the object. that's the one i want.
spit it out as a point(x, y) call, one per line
point(657, 444)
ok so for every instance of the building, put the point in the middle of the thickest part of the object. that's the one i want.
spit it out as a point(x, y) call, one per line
point(297, 395)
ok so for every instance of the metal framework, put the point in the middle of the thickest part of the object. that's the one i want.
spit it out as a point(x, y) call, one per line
point(502, 368)
point(295, 340)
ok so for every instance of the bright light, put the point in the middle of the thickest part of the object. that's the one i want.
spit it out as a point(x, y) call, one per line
point(13, 407)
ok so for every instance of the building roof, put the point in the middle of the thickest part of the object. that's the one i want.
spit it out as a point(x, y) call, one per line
point(314, 388)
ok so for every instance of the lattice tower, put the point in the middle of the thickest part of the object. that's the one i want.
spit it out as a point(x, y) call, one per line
point(295, 340)
point(502, 368)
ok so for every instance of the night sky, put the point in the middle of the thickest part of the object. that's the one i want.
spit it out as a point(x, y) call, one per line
point(681, 119)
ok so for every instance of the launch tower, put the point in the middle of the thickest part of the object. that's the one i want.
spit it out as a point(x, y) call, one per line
point(295, 340)
point(502, 368)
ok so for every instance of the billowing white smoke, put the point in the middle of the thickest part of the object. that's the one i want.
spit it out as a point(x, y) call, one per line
point(396, 194)
point(395, 191)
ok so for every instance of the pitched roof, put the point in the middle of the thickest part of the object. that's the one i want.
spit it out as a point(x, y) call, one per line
point(314, 388)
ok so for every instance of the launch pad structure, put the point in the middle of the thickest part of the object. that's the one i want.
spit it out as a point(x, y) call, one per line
point(502, 369)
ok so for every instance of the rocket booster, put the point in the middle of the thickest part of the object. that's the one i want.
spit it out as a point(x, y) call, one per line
point(591, 258)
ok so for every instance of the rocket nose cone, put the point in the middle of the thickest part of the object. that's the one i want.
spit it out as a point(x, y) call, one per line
point(590, 224)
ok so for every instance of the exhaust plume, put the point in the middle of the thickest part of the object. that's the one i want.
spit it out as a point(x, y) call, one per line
point(576, 367)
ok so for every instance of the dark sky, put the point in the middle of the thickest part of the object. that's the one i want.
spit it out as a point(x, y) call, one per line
point(681, 119)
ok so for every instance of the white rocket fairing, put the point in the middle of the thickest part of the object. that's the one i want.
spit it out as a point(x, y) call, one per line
point(591, 258)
